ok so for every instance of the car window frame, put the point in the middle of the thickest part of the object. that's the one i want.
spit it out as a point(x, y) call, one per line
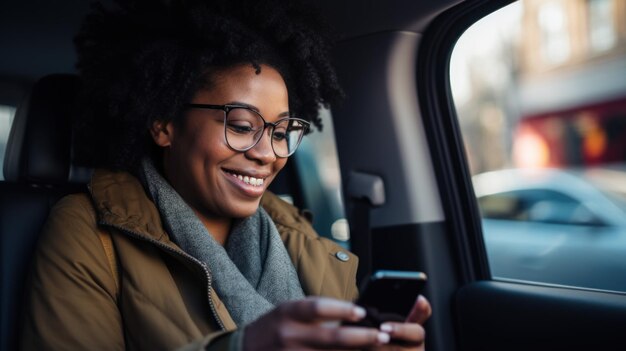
point(444, 139)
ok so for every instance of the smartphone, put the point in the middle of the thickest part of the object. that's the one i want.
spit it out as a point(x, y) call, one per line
point(389, 296)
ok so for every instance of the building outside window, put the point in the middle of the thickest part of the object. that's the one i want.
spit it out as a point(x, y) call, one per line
point(601, 30)
point(555, 46)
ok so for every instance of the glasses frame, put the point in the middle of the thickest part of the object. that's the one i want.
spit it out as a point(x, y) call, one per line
point(229, 107)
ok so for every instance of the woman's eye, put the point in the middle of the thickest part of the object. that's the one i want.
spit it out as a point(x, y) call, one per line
point(240, 127)
point(279, 135)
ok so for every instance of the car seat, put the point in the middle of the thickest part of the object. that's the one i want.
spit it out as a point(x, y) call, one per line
point(38, 171)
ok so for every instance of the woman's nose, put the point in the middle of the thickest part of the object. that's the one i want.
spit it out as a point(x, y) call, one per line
point(263, 150)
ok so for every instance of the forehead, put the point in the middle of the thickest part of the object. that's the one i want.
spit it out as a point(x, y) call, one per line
point(243, 74)
point(244, 84)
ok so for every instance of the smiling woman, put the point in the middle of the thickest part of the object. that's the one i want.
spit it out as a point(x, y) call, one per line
point(217, 181)
point(189, 110)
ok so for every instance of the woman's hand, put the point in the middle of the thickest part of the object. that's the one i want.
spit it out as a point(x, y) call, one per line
point(410, 334)
point(314, 323)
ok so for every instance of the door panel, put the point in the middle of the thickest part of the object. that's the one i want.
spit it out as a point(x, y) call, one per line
point(510, 316)
point(492, 314)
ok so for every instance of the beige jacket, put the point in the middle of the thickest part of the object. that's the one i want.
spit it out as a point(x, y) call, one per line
point(164, 299)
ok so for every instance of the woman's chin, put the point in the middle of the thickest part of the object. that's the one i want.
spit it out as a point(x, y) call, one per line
point(242, 209)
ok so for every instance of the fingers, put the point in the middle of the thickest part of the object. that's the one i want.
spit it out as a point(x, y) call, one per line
point(315, 309)
point(405, 333)
point(343, 338)
point(316, 324)
point(420, 312)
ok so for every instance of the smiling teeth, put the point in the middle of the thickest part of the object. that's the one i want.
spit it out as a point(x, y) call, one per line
point(249, 180)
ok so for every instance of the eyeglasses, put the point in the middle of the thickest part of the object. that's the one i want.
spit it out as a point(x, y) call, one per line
point(244, 127)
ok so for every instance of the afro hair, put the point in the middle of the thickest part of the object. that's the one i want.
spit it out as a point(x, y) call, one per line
point(143, 60)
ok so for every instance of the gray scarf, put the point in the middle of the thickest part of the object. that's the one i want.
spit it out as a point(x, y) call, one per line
point(251, 274)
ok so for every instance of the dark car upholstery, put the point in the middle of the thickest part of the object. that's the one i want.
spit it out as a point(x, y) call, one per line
point(39, 169)
point(38, 172)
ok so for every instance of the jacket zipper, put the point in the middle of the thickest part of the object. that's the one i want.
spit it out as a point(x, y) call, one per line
point(181, 254)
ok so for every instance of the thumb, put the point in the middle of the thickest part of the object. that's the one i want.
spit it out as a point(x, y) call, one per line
point(420, 312)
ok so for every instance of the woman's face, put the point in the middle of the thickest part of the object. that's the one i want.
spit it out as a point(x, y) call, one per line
point(197, 161)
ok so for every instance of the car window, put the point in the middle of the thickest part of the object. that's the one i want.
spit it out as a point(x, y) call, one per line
point(6, 119)
point(318, 169)
point(540, 96)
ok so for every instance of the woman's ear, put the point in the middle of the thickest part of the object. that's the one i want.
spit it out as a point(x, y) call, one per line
point(162, 133)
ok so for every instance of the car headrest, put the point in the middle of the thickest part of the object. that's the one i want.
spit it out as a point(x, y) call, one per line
point(39, 149)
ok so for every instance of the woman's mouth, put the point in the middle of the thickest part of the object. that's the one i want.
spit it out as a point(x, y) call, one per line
point(246, 178)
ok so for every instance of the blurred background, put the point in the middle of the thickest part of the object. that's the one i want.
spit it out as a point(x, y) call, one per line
point(540, 92)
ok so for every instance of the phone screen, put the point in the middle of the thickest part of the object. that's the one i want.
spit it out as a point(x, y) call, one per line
point(390, 295)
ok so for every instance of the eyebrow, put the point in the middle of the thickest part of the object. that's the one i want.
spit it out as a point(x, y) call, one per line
point(254, 108)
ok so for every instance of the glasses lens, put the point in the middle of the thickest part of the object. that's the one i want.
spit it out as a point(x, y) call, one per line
point(243, 128)
point(287, 136)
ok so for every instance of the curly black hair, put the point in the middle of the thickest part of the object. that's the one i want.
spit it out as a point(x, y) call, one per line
point(143, 60)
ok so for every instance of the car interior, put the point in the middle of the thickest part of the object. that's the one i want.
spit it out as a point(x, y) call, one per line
point(405, 180)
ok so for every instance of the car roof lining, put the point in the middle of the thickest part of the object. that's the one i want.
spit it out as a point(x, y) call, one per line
point(31, 27)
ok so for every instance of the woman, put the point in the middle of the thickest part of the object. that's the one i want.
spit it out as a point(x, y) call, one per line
point(191, 109)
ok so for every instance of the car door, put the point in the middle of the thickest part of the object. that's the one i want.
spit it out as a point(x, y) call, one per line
point(500, 312)
point(400, 125)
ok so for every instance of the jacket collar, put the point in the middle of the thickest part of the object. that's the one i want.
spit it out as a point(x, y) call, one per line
point(121, 201)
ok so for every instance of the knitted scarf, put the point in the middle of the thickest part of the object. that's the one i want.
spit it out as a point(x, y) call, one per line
point(251, 274)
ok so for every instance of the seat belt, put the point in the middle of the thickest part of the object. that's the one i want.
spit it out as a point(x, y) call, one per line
point(365, 192)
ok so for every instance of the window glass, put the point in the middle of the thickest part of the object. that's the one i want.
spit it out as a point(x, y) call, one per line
point(6, 119)
point(541, 100)
point(553, 32)
point(318, 168)
point(536, 205)
point(601, 29)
